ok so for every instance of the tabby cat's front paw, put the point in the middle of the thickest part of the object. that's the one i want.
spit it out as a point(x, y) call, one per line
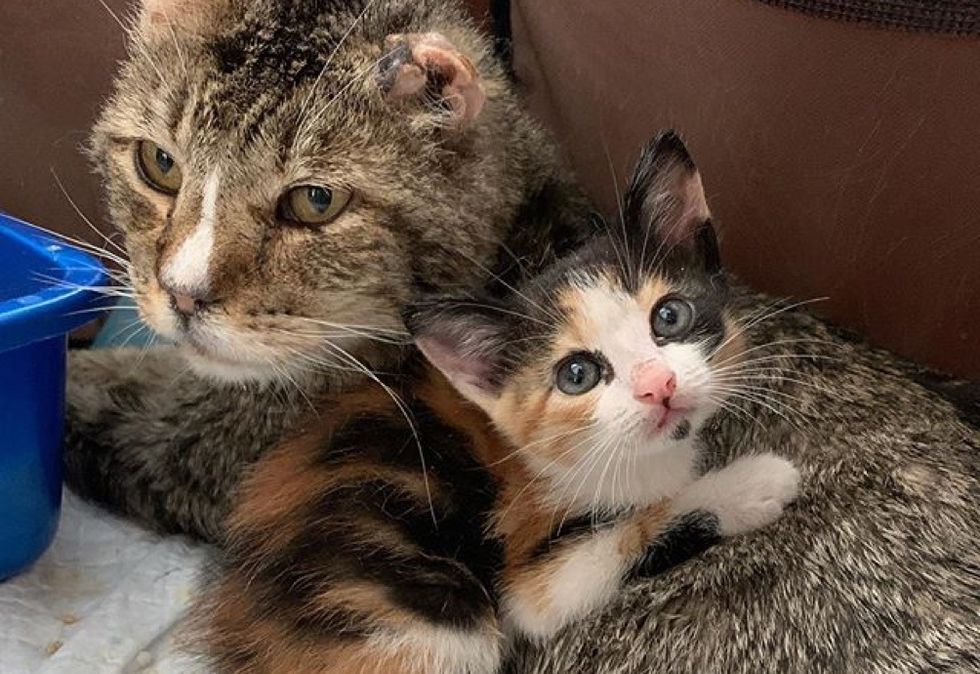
point(747, 494)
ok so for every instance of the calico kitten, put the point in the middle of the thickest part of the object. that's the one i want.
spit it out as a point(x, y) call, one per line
point(288, 175)
point(351, 552)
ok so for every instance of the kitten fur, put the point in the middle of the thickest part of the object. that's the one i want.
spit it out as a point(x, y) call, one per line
point(349, 553)
point(398, 101)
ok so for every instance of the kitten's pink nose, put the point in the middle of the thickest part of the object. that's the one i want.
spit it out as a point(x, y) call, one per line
point(653, 383)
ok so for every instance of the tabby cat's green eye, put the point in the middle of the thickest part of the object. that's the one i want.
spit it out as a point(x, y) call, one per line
point(313, 204)
point(158, 168)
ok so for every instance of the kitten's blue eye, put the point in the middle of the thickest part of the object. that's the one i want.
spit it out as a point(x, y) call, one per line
point(673, 319)
point(578, 374)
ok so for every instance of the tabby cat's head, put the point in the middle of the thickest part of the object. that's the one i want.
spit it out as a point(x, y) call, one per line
point(620, 347)
point(289, 174)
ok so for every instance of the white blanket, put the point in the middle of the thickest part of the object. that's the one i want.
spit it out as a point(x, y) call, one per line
point(107, 597)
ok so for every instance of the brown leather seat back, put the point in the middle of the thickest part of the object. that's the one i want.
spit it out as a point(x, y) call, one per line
point(841, 159)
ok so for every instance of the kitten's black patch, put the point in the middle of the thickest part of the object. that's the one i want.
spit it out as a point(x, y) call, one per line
point(682, 431)
point(569, 531)
point(432, 559)
point(688, 536)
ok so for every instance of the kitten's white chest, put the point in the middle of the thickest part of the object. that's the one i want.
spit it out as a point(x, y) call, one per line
point(622, 479)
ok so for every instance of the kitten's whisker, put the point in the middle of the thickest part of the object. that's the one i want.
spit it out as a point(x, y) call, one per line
point(766, 316)
point(347, 333)
point(735, 409)
point(624, 259)
point(760, 390)
point(739, 358)
point(591, 457)
point(111, 291)
point(320, 365)
point(598, 454)
point(752, 398)
point(540, 441)
point(774, 378)
point(565, 452)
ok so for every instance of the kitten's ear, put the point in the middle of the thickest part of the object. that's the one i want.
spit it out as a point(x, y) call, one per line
point(188, 16)
point(464, 339)
point(427, 69)
point(665, 203)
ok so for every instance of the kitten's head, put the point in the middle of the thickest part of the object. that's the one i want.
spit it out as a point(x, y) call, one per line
point(620, 347)
point(289, 174)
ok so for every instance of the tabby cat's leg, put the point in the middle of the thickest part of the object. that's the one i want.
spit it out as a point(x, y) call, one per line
point(148, 439)
point(583, 565)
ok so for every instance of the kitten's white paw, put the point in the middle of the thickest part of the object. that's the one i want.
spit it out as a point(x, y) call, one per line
point(748, 493)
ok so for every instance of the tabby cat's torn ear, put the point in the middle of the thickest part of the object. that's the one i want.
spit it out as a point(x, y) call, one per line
point(428, 69)
point(186, 16)
point(665, 203)
point(463, 338)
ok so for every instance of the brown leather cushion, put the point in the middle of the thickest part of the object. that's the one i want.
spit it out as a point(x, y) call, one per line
point(841, 159)
point(56, 62)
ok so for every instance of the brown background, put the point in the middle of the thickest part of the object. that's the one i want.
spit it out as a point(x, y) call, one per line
point(841, 160)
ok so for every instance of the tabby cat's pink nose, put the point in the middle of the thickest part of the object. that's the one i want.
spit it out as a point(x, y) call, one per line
point(653, 383)
point(185, 304)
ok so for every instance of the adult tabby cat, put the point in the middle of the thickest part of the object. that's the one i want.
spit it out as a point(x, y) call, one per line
point(287, 176)
point(347, 555)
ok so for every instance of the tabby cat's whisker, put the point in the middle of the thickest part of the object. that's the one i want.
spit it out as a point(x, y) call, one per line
point(129, 32)
point(78, 244)
point(340, 43)
point(555, 317)
point(61, 186)
point(406, 413)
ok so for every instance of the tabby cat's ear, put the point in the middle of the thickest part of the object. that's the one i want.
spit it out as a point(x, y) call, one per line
point(665, 204)
point(464, 339)
point(428, 70)
point(189, 16)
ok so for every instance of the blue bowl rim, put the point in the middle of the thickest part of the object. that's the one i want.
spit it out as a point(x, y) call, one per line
point(55, 309)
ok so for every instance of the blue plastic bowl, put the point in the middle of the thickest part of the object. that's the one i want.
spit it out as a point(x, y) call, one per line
point(43, 295)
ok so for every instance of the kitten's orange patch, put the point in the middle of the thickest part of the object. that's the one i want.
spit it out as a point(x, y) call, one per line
point(281, 485)
point(644, 527)
point(364, 599)
point(651, 292)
